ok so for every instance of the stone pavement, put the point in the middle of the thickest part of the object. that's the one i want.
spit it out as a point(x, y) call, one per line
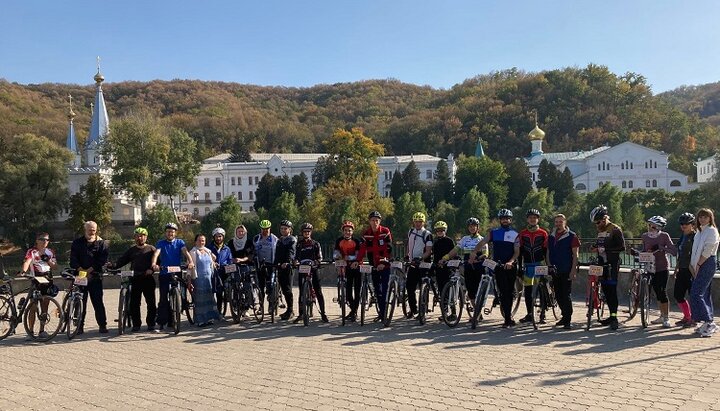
point(327, 366)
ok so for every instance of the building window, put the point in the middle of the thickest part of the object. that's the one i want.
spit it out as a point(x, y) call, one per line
point(600, 183)
point(232, 181)
point(630, 184)
point(252, 195)
point(622, 166)
point(249, 181)
point(624, 184)
point(654, 183)
point(257, 180)
point(241, 208)
point(207, 210)
point(207, 182)
point(428, 174)
point(196, 197)
point(581, 186)
point(217, 181)
point(533, 176)
point(599, 167)
point(646, 165)
point(675, 183)
point(631, 166)
point(218, 196)
point(647, 183)
point(183, 197)
point(240, 195)
point(196, 211)
point(239, 181)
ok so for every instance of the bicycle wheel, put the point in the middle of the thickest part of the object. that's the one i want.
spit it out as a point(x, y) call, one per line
point(306, 302)
point(590, 306)
point(403, 300)
point(73, 316)
point(538, 304)
point(39, 325)
point(341, 300)
point(226, 296)
point(633, 298)
point(552, 301)
point(175, 306)
point(423, 303)
point(480, 300)
point(363, 301)
point(187, 305)
point(392, 299)
point(65, 309)
point(644, 303)
point(452, 303)
point(121, 310)
point(237, 298)
point(517, 294)
point(7, 314)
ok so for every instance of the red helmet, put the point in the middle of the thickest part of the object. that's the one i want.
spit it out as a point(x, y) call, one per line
point(347, 223)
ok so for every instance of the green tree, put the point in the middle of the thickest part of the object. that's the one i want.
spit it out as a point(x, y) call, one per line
point(33, 183)
point(548, 175)
point(264, 192)
point(285, 208)
point(487, 175)
point(634, 222)
point(519, 182)
point(155, 220)
point(542, 200)
point(608, 195)
point(411, 178)
point(353, 154)
point(227, 216)
point(442, 186)
point(92, 202)
point(397, 188)
point(563, 187)
point(407, 205)
point(473, 204)
point(300, 187)
point(573, 208)
point(447, 212)
point(148, 157)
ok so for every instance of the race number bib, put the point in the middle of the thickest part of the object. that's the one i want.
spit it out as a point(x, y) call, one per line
point(125, 274)
point(647, 257)
point(230, 268)
point(173, 269)
point(453, 263)
point(340, 263)
point(43, 280)
point(491, 264)
point(425, 266)
point(595, 271)
point(366, 269)
point(541, 270)
point(396, 264)
point(304, 269)
point(81, 281)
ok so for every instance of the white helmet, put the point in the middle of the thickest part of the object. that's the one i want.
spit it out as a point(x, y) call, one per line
point(657, 220)
point(218, 231)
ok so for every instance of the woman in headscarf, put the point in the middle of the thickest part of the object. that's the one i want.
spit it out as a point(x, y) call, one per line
point(240, 246)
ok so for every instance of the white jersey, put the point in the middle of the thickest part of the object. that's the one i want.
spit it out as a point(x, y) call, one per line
point(417, 241)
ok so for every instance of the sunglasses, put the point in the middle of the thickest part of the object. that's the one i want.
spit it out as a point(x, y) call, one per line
point(598, 222)
point(685, 224)
point(43, 239)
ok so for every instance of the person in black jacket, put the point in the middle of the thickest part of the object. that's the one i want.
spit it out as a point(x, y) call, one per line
point(284, 257)
point(610, 243)
point(89, 253)
point(442, 245)
point(241, 247)
point(309, 249)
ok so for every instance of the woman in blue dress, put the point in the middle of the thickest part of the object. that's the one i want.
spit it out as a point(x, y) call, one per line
point(205, 307)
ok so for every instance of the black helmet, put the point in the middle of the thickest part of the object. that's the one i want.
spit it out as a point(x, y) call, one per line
point(286, 223)
point(533, 211)
point(171, 226)
point(472, 221)
point(504, 212)
point(598, 213)
point(374, 214)
point(306, 226)
point(686, 218)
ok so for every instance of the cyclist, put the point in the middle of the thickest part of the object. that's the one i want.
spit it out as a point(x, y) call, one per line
point(442, 245)
point(240, 246)
point(347, 248)
point(170, 250)
point(609, 244)
point(41, 261)
point(223, 257)
point(309, 249)
point(465, 248)
point(503, 244)
point(419, 248)
point(659, 243)
point(377, 245)
point(139, 257)
point(683, 276)
point(89, 253)
point(562, 252)
point(284, 257)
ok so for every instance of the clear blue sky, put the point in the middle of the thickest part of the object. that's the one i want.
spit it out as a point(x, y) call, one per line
point(295, 43)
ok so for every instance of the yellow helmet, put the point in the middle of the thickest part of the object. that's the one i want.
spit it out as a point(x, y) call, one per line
point(441, 225)
point(265, 224)
point(419, 216)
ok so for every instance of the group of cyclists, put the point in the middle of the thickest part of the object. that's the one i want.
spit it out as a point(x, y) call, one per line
point(513, 253)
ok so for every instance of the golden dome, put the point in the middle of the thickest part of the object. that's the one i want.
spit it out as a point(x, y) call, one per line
point(536, 133)
point(99, 78)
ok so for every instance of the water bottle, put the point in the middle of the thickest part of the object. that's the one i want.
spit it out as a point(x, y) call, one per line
point(21, 304)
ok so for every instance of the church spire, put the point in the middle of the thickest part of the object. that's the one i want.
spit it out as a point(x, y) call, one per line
point(71, 141)
point(479, 152)
point(100, 124)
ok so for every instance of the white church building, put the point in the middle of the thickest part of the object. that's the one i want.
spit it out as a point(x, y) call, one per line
point(707, 168)
point(627, 166)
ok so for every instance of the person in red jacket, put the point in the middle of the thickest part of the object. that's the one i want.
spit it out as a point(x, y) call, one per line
point(377, 245)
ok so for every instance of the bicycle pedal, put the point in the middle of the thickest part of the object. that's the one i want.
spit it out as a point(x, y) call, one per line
point(487, 311)
point(335, 300)
point(282, 306)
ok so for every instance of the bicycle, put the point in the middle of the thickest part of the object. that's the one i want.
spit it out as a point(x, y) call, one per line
point(29, 309)
point(72, 304)
point(307, 292)
point(244, 294)
point(273, 287)
point(452, 299)
point(427, 284)
point(365, 290)
point(340, 266)
point(487, 281)
point(595, 299)
point(180, 297)
point(642, 282)
point(124, 319)
point(543, 295)
point(396, 293)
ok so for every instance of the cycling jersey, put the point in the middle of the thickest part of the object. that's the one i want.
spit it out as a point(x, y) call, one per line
point(560, 245)
point(347, 248)
point(417, 241)
point(661, 243)
point(533, 245)
point(285, 250)
point(39, 260)
point(308, 250)
point(685, 250)
point(503, 241)
point(170, 253)
point(467, 244)
point(441, 247)
point(376, 244)
point(265, 248)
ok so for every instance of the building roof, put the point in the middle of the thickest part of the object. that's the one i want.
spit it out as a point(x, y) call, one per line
point(557, 158)
point(71, 142)
point(314, 157)
point(100, 123)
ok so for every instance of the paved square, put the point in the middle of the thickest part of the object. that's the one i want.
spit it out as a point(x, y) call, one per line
point(327, 366)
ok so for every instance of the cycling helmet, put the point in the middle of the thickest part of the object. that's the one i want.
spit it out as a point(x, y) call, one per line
point(171, 226)
point(217, 231)
point(264, 224)
point(286, 223)
point(441, 225)
point(686, 218)
point(533, 211)
point(306, 226)
point(141, 231)
point(598, 213)
point(504, 212)
point(374, 214)
point(657, 220)
point(419, 217)
point(347, 223)
point(472, 221)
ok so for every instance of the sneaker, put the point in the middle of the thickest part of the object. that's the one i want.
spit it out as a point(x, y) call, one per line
point(606, 321)
point(509, 324)
point(542, 320)
point(323, 317)
point(103, 330)
point(297, 319)
point(527, 319)
point(701, 328)
point(567, 326)
point(658, 320)
point(153, 330)
point(135, 329)
point(560, 323)
point(666, 323)
point(452, 317)
point(43, 335)
point(286, 315)
point(410, 314)
point(614, 323)
point(377, 319)
point(709, 330)
point(80, 331)
point(683, 322)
